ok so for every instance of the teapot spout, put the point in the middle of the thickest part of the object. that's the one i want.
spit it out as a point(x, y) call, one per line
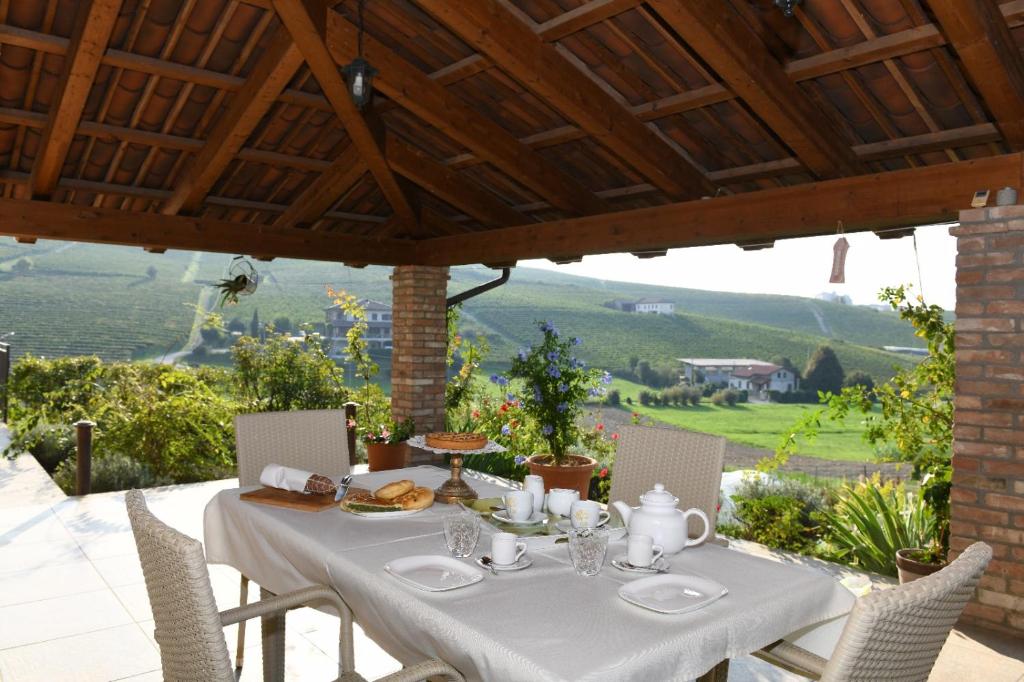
point(625, 511)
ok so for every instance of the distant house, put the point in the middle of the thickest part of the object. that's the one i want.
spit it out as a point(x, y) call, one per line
point(644, 305)
point(378, 326)
point(747, 374)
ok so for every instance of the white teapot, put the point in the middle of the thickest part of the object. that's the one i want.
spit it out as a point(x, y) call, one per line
point(659, 517)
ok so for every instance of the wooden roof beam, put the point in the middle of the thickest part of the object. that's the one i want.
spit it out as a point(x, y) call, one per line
point(416, 92)
point(269, 77)
point(918, 196)
point(978, 32)
point(306, 20)
point(48, 220)
point(506, 40)
point(331, 185)
point(723, 39)
point(94, 23)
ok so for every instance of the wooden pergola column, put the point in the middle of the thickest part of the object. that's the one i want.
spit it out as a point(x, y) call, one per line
point(419, 340)
point(987, 499)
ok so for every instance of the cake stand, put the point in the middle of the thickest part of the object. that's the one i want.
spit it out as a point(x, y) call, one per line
point(455, 489)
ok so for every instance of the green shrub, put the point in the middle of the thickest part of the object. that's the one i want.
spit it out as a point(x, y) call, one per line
point(646, 398)
point(50, 444)
point(614, 398)
point(725, 396)
point(111, 472)
point(774, 520)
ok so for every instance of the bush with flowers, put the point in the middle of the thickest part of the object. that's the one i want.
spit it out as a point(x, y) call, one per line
point(555, 386)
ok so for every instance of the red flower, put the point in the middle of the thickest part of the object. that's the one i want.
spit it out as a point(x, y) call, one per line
point(504, 407)
point(615, 436)
point(599, 427)
point(602, 473)
point(636, 414)
point(476, 414)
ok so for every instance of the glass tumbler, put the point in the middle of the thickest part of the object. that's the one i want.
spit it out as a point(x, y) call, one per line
point(461, 532)
point(587, 548)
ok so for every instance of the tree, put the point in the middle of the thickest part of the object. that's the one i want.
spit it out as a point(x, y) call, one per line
point(787, 364)
point(151, 272)
point(236, 325)
point(21, 266)
point(282, 324)
point(859, 378)
point(824, 373)
point(255, 330)
point(633, 361)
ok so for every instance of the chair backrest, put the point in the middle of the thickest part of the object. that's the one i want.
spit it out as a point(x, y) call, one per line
point(187, 624)
point(897, 634)
point(314, 440)
point(687, 462)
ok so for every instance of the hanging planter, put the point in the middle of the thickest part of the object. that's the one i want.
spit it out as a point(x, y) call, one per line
point(242, 280)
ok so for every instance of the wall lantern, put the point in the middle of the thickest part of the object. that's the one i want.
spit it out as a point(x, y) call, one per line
point(787, 6)
point(359, 73)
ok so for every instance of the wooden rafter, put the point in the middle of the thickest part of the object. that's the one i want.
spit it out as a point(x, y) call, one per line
point(325, 191)
point(306, 21)
point(981, 38)
point(540, 68)
point(94, 23)
point(271, 74)
point(726, 42)
point(46, 220)
point(443, 182)
point(416, 92)
point(916, 196)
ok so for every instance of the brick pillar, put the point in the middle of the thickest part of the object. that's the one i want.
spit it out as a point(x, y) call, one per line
point(988, 434)
point(420, 335)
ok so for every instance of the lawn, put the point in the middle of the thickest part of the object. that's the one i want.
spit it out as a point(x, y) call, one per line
point(756, 424)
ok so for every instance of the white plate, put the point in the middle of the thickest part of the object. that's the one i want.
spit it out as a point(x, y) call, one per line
point(433, 573)
point(535, 518)
point(621, 562)
point(565, 525)
point(524, 562)
point(669, 593)
point(385, 515)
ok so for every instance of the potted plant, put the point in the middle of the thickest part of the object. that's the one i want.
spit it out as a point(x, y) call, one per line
point(555, 386)
point(385, 441)
point(914, 563)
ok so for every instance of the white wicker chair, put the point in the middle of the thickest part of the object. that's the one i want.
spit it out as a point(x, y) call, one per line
point(188, 627)
point(893, 635)
point(314, 440)
point(687, 462)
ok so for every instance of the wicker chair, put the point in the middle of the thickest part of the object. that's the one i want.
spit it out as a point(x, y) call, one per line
point(188, 627)
point(893, 635)
point(687, 462)
point(314, 440)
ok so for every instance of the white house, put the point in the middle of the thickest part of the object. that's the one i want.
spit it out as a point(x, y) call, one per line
point(747, 374)
point(713, 370)
point(654, 305)
point(378, 325)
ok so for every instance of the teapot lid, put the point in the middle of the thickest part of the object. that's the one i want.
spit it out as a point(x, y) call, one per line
point(659, 496)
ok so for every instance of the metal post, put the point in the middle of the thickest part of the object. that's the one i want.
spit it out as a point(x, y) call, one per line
point(350, 430)
point(5, 377)
point(83, 480)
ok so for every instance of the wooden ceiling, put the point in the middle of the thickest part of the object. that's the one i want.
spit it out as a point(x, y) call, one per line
point(502, 129)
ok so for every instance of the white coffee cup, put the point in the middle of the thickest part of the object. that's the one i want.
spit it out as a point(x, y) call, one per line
point(535, 484)
point(519, 504)
point(587, 514)
point(505, 550)
point(641, 551)
point(560, 500)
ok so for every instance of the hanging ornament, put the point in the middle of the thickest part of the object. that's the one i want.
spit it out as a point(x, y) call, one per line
point(839, 250)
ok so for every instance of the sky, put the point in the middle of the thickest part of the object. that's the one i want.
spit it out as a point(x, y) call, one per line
point(798, 267)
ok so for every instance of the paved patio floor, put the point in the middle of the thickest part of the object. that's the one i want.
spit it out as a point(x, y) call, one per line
point(73, 604)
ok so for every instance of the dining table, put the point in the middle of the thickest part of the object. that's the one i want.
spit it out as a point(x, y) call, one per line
point(543, 623)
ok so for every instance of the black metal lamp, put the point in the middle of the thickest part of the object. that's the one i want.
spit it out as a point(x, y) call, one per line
point(359, 73)
point(787, 6)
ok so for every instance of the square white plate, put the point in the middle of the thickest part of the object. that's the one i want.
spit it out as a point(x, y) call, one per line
point(433, 573)
point(670, 593)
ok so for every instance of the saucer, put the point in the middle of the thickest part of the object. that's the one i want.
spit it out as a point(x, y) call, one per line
point(565, 525)
point(535, 518)
point(622, 563)
point(524, 562)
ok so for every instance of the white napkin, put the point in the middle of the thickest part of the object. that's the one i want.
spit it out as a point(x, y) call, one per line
point(286, 478)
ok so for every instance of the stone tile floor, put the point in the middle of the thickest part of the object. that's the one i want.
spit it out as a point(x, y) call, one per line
point(73, 604)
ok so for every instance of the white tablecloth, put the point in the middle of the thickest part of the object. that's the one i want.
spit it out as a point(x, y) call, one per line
point(543, 623)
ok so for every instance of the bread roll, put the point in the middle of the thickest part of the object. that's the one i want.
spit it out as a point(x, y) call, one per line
point(395, 489)
point(417, 498)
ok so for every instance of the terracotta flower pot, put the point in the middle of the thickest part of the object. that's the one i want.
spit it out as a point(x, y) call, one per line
point(911, 569)
point(384, 456)
point(574, 474)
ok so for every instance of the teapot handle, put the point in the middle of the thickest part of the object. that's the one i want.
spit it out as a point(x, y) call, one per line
point(707, 525)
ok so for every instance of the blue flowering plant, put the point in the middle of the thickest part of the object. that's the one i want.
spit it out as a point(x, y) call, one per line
point(555, 385)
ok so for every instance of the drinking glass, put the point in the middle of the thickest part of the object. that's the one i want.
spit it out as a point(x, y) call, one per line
point(461, 532)
point(587, 547)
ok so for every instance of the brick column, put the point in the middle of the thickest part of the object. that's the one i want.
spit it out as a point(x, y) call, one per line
point(420, 333)
point(988, 434)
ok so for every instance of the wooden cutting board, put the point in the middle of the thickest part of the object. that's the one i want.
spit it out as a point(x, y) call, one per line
point(290, 499)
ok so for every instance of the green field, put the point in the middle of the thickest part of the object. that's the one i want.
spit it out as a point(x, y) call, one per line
point(757, 424)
